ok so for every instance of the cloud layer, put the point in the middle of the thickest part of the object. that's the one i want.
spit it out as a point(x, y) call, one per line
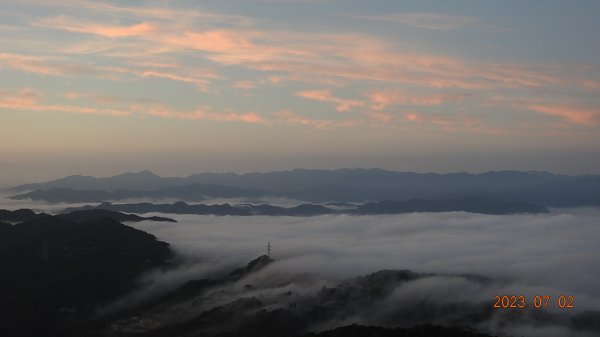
point(94, 45)
point(550, 255)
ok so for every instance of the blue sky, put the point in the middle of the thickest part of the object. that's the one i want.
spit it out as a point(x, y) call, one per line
point(101, 87)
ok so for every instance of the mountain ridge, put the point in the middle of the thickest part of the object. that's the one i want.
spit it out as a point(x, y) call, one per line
point(75, 181)
point(480, 205)
point(321, 186)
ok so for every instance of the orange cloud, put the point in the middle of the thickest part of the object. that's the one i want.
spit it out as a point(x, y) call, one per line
point(452, 123)
point(35, 64)
point(202, 113)
point(570, 114)
point(412, 117)
point(201, 83)
point(155, 64)
point(158, 13)
point(58, 67)
point(335, 59)
point(591, 85)
point(18, 99)
point(351, 57)
point(382, 99)
point(244, 85)
point(341, 104)
point(290, 117)
point(73, 95)
point(30, 100)
point(75, 26)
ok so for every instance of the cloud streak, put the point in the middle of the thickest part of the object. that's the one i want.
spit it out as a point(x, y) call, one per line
point(75, 26)
point(289, 117)
point(203, 113)
point(571, 114)
point(341, 104)
point(201, 78)
point(380, 100)
point(30, 100)
point(352, 57)
point(393, 82)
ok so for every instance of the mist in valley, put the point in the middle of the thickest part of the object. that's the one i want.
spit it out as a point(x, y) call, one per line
point(461, 260)
point(552, 254)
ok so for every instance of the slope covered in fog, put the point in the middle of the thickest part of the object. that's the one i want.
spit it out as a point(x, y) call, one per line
point(56, 272)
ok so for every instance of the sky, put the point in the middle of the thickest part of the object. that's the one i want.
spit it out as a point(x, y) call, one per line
point(180, 87)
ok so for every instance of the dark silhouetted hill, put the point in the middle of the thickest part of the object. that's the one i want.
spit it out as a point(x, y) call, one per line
point(19, 215)
point(253, 266)
point(4, 226)
point(56, 272)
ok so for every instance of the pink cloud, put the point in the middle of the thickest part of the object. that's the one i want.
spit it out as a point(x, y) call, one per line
point(352, 57)
point(591, 85)
point(201, 83)
point(382, 99)
point(244, 85)
point(155, 64)
point(17, 99)
point(341, 104)
point(112, 31)
point(36, 64)
point(380, 116)
point(74, 95)
point(452, 123)
point(30, 100)
point(290, 117)
point(157, 13)
point(570, 114)
point(201, 78)
point(278, 56)
point(202, 113)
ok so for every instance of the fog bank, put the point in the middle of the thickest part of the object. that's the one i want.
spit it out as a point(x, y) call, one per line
point(552, 254)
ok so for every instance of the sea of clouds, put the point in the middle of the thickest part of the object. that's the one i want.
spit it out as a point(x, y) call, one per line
point(546, 254)
point(549, 254)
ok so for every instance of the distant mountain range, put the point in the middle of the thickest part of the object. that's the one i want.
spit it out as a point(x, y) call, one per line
point(319, 186)
point(483, 205)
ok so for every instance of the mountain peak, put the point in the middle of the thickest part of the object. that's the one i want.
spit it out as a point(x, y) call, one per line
point(143, 174)
point(252, 266)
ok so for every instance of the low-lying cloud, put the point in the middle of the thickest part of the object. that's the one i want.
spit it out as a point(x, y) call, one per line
point(549, 254)
point(553, 254)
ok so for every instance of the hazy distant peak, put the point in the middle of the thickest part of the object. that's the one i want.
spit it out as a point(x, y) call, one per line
point(339, 185)
point(144, 173)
